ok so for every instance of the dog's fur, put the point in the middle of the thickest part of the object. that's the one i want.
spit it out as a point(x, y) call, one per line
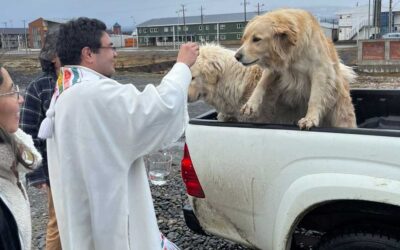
point(303, 78)
point(221, 81)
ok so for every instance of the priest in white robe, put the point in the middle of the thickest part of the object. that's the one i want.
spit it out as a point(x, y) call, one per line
point(98, 131)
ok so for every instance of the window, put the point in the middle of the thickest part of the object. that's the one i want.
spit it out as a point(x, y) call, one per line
point(222, 26)
point(166, 29)
point(222, 37)
point(201, 27)
point(186, 28)
point(179, 28)
point(207, 28)
point(144, 30)
point(140, 30)
point(239, 25)
point(238, 36)
point(207, 38)
point(216, 26)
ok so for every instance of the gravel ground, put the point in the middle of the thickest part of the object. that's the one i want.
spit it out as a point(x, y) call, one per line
point(168, 199)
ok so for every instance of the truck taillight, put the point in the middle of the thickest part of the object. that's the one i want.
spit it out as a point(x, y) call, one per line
point(189, 176)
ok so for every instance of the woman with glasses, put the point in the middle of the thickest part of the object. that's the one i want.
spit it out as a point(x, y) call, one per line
point(17, 156)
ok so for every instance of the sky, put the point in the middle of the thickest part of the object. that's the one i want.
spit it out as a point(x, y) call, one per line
point(133, 12)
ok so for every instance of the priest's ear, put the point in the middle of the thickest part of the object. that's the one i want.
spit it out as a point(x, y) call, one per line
point(87, 56)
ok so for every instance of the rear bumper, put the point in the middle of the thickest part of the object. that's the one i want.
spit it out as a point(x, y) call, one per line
point(191, 220)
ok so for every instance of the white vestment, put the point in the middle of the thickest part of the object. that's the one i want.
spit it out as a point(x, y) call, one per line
point(98, 178)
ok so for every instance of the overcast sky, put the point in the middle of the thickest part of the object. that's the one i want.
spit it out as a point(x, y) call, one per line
point(126, 12)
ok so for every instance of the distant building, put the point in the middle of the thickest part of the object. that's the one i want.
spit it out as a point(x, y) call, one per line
point(223, 28)
point(117, 29)
point(226, 29)
point(330, 28)
point(12, 38)
point(354, 22)
point(38, 29)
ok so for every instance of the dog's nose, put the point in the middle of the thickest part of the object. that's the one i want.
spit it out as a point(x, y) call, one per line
point(238, 56)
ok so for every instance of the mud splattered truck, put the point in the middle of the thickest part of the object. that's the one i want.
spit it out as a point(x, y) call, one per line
point(275, 187)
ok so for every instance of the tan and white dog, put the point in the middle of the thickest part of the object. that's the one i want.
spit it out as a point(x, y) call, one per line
point(223, 82)
point(302, 71)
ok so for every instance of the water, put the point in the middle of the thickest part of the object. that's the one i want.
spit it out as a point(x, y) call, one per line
point(158, 177)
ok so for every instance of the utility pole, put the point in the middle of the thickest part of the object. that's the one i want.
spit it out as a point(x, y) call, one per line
point(26, 38)
point(259, 8)
point(178, 26)
point(5, 35)
point(245, 12)
point(202, 22)
point(390, 16)
point(184, 21)
point(369, 17)
point(133, 29)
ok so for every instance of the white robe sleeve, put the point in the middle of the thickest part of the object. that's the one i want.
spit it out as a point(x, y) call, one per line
point(141, 122)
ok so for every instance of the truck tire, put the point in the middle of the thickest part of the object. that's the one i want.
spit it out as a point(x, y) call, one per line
point(361, 238)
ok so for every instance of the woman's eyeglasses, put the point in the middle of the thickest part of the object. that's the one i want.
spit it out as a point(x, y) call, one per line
point(14, 91)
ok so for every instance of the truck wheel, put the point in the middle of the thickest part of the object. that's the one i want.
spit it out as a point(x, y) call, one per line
point(361, 239)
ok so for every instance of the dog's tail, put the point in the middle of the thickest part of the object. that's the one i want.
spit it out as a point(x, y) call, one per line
point(348, 73)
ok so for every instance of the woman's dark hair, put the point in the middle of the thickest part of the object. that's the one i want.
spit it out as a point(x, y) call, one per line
point(77, 34)
point(7, 138)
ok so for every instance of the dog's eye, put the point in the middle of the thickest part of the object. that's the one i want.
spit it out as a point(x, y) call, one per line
point(256, 39)
point(192, 78)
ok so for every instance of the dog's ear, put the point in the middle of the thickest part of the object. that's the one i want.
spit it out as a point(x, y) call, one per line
point(285, 37)
point(286, 32)
point(212, 70)
point(217, 65)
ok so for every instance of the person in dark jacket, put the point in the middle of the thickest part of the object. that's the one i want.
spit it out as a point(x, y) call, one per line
point(37, 100)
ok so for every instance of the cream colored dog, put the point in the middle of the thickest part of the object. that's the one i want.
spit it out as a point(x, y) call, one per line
point(223, 82)
point(302, 72)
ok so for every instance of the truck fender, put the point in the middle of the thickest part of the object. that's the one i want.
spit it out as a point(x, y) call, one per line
point(308, 191)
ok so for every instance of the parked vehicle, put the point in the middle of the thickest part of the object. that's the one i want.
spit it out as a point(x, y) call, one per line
point(275, 187)
point(391, 36)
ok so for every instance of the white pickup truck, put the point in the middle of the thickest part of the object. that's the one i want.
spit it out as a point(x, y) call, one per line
point(275, 187)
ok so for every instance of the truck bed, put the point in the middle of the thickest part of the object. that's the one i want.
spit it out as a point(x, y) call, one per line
point(377, 113)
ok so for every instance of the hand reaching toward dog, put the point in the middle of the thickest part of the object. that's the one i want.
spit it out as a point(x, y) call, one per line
point(188, 54)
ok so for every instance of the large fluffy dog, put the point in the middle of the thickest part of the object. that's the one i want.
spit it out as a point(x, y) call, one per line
point(302, 74)
point(221, 81)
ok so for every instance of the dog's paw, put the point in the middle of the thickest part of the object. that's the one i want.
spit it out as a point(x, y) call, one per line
point(308, 122)
point(249, 109)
